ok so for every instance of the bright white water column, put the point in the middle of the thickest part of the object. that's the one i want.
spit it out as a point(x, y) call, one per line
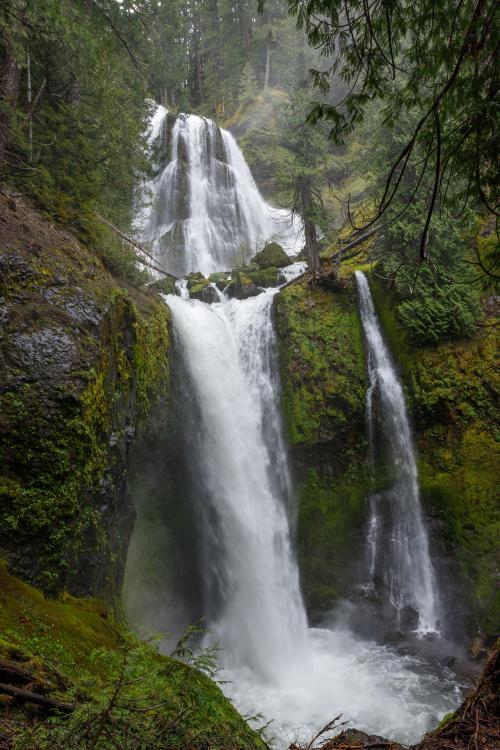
point(228, 352)
point(408, 574)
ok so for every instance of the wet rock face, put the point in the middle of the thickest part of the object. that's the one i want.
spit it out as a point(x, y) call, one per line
point(206, 294)
point(82, 362)
point(49, 352)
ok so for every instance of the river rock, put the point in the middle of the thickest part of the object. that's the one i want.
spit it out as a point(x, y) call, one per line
point(206, 293)
point(221, 279)
point(355, 738)
point(242, 287)
point(164, 286)
point(266, 277)
point(272, 255)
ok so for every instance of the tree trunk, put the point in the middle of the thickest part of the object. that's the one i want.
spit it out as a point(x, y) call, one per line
point(309, 226)
point(10, 76)
point(29, 98)
point(268, 59)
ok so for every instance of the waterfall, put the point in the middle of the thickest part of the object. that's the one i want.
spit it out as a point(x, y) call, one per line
point(206, 213)
point(229, 355)
point(235, 477)
point(397, 542)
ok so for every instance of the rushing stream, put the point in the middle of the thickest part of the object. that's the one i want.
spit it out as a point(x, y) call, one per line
point(274, 664)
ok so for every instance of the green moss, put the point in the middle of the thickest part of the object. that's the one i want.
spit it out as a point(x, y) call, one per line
point(272, 255)
point(324, 384)
point(164, 286)
point(221, 279)
point(323, 370)
point(331, 511)
point(266, 277)
point(76, 645)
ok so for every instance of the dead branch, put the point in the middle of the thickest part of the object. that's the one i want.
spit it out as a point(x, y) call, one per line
point(137, 246)
point(26, 696)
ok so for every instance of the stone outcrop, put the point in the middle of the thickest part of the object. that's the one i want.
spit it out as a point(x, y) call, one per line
point(83, 361)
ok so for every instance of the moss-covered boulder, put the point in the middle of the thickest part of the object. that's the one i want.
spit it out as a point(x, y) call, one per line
point(272, 255)
point(241, 286)
point(324, 384)
point(221, 279)
point(164, 286)
point(266, 277)
point(83, 359)
point(199, 287)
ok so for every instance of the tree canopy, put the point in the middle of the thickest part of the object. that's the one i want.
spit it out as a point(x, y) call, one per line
point(439, 60)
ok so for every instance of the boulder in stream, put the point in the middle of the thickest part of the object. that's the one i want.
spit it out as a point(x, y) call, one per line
point(242, 286)
point(272, 255)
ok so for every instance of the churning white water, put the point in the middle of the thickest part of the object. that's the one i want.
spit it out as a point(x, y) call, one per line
point(205, 212)
point(298, 677)
point(398, 549)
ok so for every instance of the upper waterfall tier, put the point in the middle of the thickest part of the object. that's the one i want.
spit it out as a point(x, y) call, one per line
point(205, 212)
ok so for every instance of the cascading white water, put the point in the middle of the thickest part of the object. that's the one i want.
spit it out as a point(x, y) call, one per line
point(206, 213)
point(399, 557)
point(227, 350)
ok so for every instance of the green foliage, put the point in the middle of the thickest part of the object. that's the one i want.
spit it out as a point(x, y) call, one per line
point(126, 695)
point(441, 313)
point(439, 298)
point(437, 59)
point(81, 147)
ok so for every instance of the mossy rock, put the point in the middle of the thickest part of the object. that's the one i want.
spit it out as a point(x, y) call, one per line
point(322, 365)
point(83, 360)
point(205, 293)
point(324, 384)
point(221, 279)
point(272, 255)
point(195, 280)
point(267, 277)
point(164, 286)
point(242, 286)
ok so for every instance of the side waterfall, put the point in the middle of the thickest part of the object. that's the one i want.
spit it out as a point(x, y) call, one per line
point(398, 548)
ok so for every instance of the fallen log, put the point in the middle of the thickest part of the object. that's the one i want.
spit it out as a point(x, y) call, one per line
point(11, 672)
point(26, 696)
